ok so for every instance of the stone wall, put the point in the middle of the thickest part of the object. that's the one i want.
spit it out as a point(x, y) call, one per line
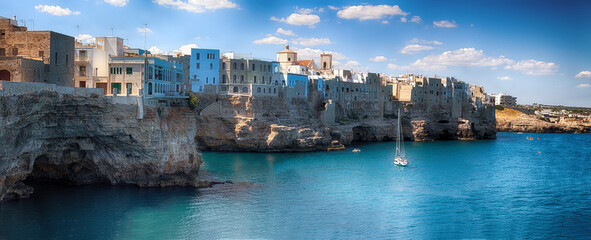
point(19, 88)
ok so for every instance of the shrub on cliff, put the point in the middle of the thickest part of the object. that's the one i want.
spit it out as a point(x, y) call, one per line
point(193, 100)
point(499, 107)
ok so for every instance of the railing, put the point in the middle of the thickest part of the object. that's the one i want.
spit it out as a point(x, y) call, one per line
point(81, 59)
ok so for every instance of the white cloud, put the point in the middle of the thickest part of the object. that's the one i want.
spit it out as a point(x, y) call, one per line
point(403, 19)
point(460, 57)
point(311, 53)
point(186, 49)
point(414, 49)
point(333, 7)
point(118, 3)
point(367, 12)
point(311, 41)
point(378, 59)
point(416, 19)
point(55, 10)
point(144, 30)
point(583, 85)
point(434, 42)
point(298, 19)
point(308, 10)
point(155, 50)
point(197, 6)
point(85, 38)
point(505, 78)
point(584, 74)
point(445, 24)
point(270, 40)
point(385, 22)
point(534, 67)
point(285, 32)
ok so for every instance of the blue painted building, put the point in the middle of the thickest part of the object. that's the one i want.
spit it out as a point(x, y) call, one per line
point(204, 70)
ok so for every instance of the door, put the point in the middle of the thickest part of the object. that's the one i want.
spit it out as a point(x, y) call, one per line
point(103, 86)
point(116, 88)
point(4, 75)
point(82, 84)
point(128, 88)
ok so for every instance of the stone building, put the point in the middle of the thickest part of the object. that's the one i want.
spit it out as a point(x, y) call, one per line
point(35, 56)
point(92, 62)
point(241, 74)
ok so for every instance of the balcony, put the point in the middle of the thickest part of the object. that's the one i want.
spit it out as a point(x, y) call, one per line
point(81, 60)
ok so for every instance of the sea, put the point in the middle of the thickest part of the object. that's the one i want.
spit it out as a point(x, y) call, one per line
point(508, 188)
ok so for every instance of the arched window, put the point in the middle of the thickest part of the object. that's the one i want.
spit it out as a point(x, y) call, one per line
point(235, 89)
point(241, 78)
point(244, 90)
point(241, 66)
point(276, 82)
point(224, 66)
point(259, 90)
point(211, 66)
point(234, 79)
point(224, 78)
point(255, 79)
point(234, 66)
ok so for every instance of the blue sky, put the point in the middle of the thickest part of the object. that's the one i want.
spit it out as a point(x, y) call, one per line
point(538, 51)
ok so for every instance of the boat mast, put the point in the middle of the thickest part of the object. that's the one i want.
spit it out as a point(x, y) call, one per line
point(398, 136)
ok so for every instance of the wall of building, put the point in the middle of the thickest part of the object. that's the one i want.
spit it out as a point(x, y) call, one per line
point(204, 69)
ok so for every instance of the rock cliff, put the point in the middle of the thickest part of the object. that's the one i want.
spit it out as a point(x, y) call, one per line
point(81, 140)
point(511, 120)
point(265, 124)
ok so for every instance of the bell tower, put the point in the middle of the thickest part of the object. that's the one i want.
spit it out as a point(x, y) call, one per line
point(326, 62)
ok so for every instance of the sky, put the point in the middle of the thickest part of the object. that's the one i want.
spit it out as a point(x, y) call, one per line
point(538, 51)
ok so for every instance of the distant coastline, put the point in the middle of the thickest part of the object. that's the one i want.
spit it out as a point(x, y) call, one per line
point(512, 120)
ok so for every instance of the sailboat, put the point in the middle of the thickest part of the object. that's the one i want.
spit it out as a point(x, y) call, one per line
point(400, 158)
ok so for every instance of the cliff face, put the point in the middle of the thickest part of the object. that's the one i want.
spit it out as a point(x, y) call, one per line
point(78, 140)
point(273, 125)
point(510, 120)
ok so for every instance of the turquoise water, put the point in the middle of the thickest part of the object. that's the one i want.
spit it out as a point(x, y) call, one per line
point(505, 188)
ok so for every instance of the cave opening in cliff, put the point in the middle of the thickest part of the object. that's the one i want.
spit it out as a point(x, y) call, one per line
point(364, 134)
point(71, 168)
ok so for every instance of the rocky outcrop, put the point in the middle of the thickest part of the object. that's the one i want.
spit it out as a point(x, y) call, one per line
point(54, 137)
point(511, 120)
point(265, 124)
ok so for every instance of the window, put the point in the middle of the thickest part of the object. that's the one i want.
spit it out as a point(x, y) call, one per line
point(56, 62)
point(128, 70)
point(2, 52)
point(241, 78)
point(276, 69)
point(241, 66)
point(2, 34)
point(198, 56)
point(224, 88)
point(253, 67)
point(198, 66)
point(259, 90)
point(214, 80)
point(224, 66)
point(211, 66)
point(244, 90)
point(255, 79)
point(207, 80)
point(235, 89)
point(129, 85)
point(234, 66)
point(224, 78)
point(67, 59)
point(289, 59)
point(14, 51)
point(82, 71)
point(234, 79)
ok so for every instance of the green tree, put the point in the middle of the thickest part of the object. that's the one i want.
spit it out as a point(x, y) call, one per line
point(193, 100)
